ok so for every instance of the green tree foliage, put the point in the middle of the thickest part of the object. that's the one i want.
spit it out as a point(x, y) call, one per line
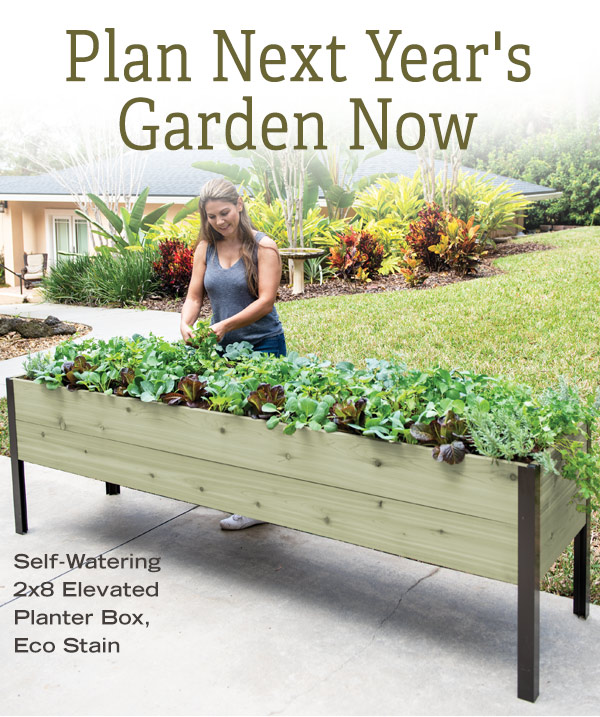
point(555, 153)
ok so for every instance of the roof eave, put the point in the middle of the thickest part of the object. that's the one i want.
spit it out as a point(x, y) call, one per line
point(539, 196)
point(69, 199)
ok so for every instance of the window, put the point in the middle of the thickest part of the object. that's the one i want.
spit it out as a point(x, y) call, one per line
point(70, 236)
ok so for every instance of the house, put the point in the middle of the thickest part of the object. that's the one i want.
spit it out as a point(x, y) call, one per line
point(37, 213)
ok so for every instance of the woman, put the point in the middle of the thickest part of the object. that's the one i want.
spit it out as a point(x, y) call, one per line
point(240, 270)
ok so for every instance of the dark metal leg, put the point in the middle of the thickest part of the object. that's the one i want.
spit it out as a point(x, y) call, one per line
point(581, 570)
point(529, 584)
point(112, 489)
point(17, 466)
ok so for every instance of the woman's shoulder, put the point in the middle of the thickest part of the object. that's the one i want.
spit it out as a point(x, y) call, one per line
point(265, 241)
point(201, 249)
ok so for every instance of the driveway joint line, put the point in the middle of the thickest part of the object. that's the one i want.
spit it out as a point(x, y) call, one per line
point(359, 652)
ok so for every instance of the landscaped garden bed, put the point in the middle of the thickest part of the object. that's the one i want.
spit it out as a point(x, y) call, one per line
point(20, 336)
point(392, 282)
point(352, 471)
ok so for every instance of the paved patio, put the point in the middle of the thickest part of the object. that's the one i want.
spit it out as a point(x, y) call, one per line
point(13, 295)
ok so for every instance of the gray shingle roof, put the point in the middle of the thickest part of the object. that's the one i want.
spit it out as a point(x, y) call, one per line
point(170, 174)
point(407, 163)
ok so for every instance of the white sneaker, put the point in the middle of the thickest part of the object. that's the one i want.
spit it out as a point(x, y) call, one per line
point(238, 522)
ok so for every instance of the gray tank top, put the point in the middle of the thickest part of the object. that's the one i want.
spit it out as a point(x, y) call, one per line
point(228, 292)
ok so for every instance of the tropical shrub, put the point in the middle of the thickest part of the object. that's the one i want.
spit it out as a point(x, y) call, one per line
point(128, 231)
point(411, 270)
point(173, 268)
point(438, 241)
point(392, 263)
point(186, 231)
point(459, 247)
point(494, 207)
point(334, 171)
point(387, 209)
point(425, 233)
point(358, 255)
point(318, 230)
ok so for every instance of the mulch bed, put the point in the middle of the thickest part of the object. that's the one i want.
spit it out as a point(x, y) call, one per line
point(394, 282)
point(13, 344)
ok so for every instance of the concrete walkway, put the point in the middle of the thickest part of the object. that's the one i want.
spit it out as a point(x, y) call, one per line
point(104, 322)
point(267, 621)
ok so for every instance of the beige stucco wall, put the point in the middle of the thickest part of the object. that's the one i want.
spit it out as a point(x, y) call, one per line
point(5, 231)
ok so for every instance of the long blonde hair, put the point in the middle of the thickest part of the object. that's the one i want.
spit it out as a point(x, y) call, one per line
point(222, 190)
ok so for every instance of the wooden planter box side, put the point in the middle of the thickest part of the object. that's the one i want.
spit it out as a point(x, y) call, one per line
point(391, 497)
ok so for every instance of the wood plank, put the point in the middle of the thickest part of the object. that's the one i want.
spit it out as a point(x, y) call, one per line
point(478, 486)
point(462, 542)
point(559, 518)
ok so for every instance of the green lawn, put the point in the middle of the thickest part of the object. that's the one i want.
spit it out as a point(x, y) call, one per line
point(534, 323)
point(537, 321)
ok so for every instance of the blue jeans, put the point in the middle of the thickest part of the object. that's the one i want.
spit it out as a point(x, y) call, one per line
point(272, 345)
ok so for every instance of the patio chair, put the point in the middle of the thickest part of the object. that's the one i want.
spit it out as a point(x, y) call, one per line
point(34, 270)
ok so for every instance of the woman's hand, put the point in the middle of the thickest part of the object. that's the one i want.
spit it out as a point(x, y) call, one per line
point(186, 331)
point(220, 329)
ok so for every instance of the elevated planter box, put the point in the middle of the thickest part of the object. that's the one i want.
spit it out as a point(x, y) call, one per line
point(497, 519)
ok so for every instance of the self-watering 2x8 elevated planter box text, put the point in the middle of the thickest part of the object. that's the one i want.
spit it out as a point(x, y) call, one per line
point(503, 520)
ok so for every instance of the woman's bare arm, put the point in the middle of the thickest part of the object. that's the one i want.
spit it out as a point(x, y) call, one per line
point(195, 294)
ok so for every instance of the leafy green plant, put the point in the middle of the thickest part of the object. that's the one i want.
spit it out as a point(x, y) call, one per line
point(76, 370)
point(318, 230)
point(126, 377)
point(494, 207)
point(266, 400)
point(334, 171)
point(447, 434)
point(349, 415)
point(204, 339)
point(317, 268)
point(103, 279)
point(387, 209)
point(127, 231)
